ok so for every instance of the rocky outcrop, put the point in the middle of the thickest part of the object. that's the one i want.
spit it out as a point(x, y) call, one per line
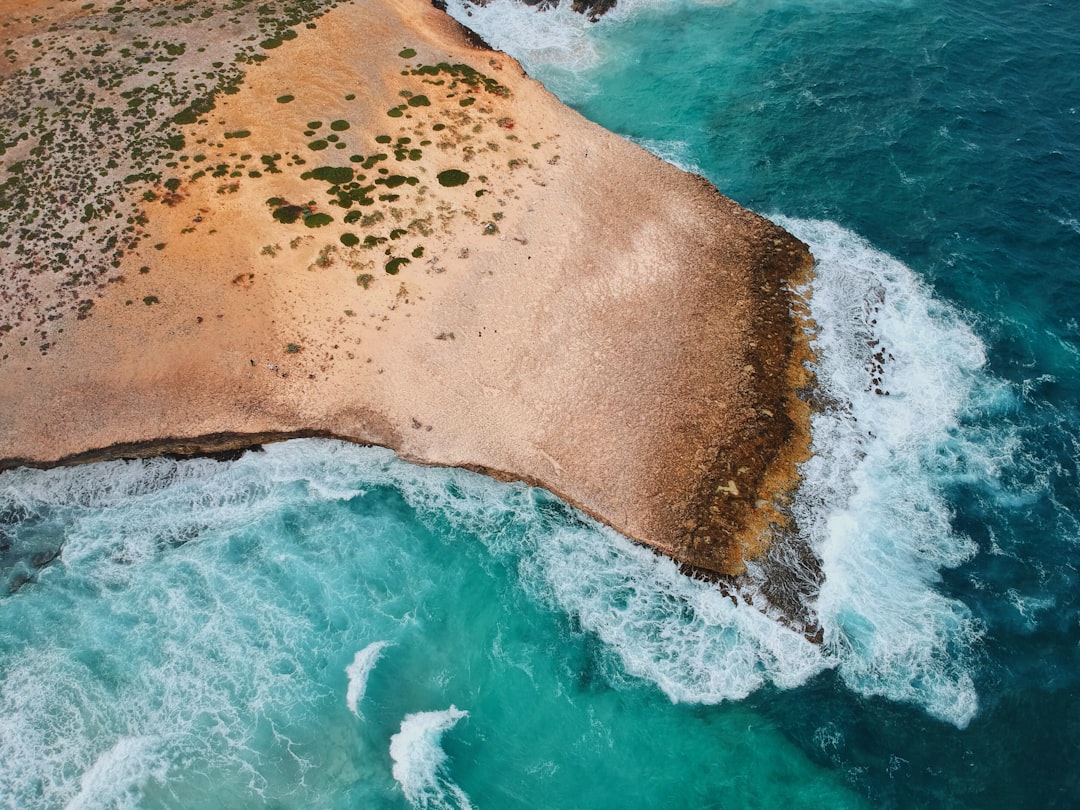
point(385, 233)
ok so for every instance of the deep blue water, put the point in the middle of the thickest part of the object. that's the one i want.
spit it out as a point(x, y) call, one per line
point(324, 626)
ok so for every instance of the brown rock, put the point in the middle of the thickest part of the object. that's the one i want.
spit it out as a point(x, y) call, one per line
point(610, 328)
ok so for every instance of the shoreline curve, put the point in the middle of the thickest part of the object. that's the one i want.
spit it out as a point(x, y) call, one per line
point(651, 357)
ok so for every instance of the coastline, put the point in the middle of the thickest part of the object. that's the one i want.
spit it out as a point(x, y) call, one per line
point(649, 361)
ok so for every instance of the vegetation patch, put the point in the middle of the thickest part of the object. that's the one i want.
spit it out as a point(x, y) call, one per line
point(461, 74)
point(317, 220)
point(288, 214)
point(452, 177)
point(393, 267)
point(137, 124)
point(337, 175)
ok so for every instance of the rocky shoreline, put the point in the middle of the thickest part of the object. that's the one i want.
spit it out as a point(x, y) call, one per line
point(574, 313)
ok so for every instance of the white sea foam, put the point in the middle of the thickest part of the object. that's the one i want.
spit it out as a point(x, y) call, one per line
point(872, 505)
point(900, 371)
point(557, 42)
point(176, 662)
point(677, 153)
point(358, 671)
point(680, 634)
point(538, 38)
point(420, 761)
point(1072, 223)
point(116, 780)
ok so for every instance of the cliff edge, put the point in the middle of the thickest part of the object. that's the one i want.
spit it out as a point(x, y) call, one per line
point(222, 227)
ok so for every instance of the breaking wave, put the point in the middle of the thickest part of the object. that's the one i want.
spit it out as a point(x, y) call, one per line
point(420, 762)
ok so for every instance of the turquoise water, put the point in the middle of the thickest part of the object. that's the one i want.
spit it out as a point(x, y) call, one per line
point(321, 625)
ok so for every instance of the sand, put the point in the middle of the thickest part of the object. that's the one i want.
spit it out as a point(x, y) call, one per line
point(578, 315)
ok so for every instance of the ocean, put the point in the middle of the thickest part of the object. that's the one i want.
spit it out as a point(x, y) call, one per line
point(319, 625)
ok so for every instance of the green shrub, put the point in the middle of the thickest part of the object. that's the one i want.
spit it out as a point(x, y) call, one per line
point(452, 177)
point(317, 220)
point(335, 175)
point(339, 126)
point(288, 214)
point(393, 267)
point(350, 239)
point(188, 116)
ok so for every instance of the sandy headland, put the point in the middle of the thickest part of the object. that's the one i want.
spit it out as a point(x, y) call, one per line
point(223, 227)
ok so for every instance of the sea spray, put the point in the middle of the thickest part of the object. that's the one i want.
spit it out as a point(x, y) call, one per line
point(897, 370)
point(557, 40)
point(117, 779)
point(158, 622)
point(358, 672)
point(681, 634)
point(420, 763)
point(230, 646)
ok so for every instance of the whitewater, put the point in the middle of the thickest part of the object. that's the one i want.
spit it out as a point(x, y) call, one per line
point(298, 627)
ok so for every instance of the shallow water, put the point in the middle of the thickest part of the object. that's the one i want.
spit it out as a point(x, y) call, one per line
point(323, 625)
